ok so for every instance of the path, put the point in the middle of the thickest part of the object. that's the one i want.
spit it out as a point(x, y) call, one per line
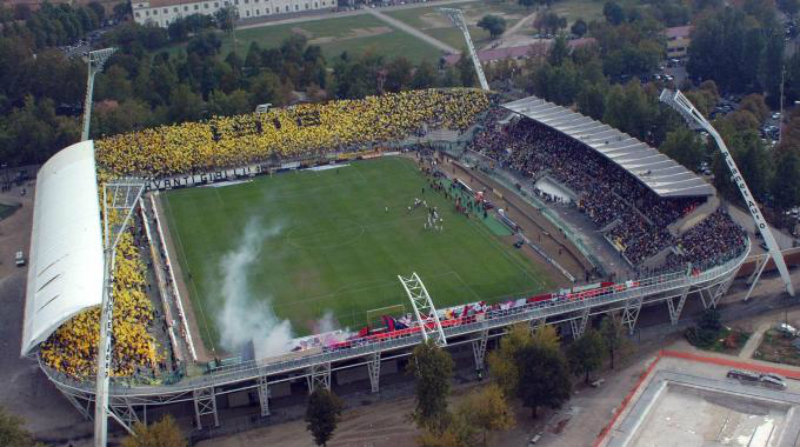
point(511, 31)
point(754, 341)
point(413, 31)
point(333, 15)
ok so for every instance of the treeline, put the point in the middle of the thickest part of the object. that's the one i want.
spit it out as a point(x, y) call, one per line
point(52, 25)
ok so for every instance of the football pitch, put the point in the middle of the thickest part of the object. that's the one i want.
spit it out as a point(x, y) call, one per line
point(307, 243)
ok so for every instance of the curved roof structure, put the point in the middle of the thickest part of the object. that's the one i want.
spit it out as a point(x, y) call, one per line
point(661, 174)
point(65, 273)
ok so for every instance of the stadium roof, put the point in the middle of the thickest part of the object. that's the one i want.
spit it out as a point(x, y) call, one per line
point(661, 174)
point(65, 273)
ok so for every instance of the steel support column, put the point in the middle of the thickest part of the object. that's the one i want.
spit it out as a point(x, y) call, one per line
point(374, 370)
point(479, 349)
point(756, 275)
point(630, 314)
point(319, 375)
point(263, 395)
point(123, 412)
point(205, 402)
point(578, 324)
point(676, 309)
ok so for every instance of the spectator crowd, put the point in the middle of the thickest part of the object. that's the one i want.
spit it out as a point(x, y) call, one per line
point(633, 218)
point(301, 131)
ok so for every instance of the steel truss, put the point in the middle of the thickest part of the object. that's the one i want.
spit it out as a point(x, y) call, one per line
point(263, 395)
point(317, 368)
point(319, 375)
point(457, 17)
point(205, 403)
point(578, 323)
point(374, 371)
point(479, 349)
point(630, 314)
point(424, 310)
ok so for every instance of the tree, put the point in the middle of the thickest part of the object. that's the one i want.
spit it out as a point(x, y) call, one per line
point(785, 184)
point(226, 18)
point(611, 329)
point(486, 409)
point(549, 22)
point(527, 3)
point(503, 360)
point(684, 146)
point(164, 433)
point(398, 74)
point(586, 354)
point(322, 414)
point(495, 25)
point(755, 104)
point(544, 378)
point(424, 76)
point(591, 100)
point(546, 337)
point(12, 430)
point(613, 13)
point(579, 28)
point(432, 368)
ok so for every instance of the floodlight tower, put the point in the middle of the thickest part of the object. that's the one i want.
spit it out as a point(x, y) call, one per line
point(96, 61)
point(682, 105)
point(457, 17)
point(119, 197)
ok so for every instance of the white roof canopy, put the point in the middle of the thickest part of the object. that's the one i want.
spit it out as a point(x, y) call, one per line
point(65, 273)
point(661, 174)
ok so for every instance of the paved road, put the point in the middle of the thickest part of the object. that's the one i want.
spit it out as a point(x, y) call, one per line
point(413, 31)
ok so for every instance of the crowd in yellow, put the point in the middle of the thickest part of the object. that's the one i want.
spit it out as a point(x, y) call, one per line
point(305, 130)
point(72, 349)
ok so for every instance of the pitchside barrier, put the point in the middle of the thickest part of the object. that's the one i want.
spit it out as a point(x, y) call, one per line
point(375, 316)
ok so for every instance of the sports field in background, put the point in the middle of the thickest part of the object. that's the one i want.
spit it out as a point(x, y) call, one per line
point(332, 246)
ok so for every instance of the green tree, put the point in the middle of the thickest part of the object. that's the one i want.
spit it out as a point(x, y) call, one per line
point(684, 146)
point(12, 430)
point(398, 74)
point(466, 70)
point(785, 184)
point(322, 414)
point(579, 28)
point(226, 18)
point(432, 368)
point(544, 378)
point(591, 100)
point(164, 433)
point(586, 354)
point(613, 13)
point(503, 360)
point(424, 76)
point(495, 25)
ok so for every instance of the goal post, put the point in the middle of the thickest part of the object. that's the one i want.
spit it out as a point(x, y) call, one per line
point(374, 315)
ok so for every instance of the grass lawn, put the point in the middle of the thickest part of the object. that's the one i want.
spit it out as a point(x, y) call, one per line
point(776, 347)
point(354, 34)
point(328, 245)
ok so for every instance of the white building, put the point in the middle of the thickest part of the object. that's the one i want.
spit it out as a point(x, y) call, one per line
point(163, 12)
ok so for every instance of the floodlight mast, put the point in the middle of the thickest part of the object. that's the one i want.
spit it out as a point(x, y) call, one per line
point(96, 61)
point(689, 112)
point(457, 17)
point(120, 196)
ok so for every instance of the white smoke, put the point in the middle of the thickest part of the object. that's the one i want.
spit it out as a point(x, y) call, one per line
point(244, 317)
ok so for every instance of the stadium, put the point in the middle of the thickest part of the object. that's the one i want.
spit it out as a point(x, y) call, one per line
point(316, 245)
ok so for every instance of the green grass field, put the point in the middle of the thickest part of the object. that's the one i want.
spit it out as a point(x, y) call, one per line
point(354, 34)
point(335, 248)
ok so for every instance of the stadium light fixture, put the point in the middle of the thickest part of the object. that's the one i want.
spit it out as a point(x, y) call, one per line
point(457, 17)
point(119, 196)
point(689, 112)
point(96, 60)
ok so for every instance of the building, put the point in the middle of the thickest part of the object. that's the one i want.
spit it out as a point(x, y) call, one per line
point(678, 40)
point(164, 12)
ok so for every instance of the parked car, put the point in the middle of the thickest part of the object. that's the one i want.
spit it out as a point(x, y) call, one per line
point(743, 376)
point(786, 329)
point(772, 381)
point(19, 259)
